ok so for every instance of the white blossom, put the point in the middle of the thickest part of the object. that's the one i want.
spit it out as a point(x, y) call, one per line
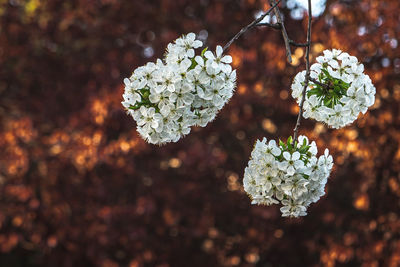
point(290, 175)
point(341, 92)
point(218, 60)
point(168, 97)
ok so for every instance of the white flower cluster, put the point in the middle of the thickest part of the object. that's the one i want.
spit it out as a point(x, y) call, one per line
point(337, 91)
point(291, 175)
point(167, 98)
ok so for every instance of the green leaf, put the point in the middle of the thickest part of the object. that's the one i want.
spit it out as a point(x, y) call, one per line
point(194, 64)
point(327, 101)
point(204, 51)
point(337, 90)
point(290, 148)
point(315, 91)
point(135, 107)
point(326, 73)
point(290, 140)
point(282, 144)
point(146, 94)
point(304, 148)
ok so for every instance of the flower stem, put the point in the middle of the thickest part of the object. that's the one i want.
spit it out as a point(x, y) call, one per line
point(296, 128)
point(251, 25)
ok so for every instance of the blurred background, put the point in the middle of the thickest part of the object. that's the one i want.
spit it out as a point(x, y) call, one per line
point(79, 187)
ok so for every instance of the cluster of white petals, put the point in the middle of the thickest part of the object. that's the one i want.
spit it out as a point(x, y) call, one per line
point(166, 98)
point(286, 174)
point(341, 90)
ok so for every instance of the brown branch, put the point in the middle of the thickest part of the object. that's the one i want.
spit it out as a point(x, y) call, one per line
point(291, 42)
point(276, 26)
point(296, 128)
point(325, 86)
point(284, 32)
point(251, 25)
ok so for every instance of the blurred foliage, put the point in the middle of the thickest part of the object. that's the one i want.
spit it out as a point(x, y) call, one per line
point(78, 187)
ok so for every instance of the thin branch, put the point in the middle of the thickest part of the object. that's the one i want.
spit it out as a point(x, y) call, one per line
point(284, 32)
point(251, 25)
point(276, 26)
point(325, 86)
point(291, 42)
point(296, 128)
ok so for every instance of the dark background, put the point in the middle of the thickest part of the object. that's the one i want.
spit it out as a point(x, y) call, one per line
point(78, 187)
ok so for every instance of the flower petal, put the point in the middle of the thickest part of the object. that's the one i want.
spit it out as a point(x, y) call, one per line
point(295, 155)
point(191, 36)
point(226, 59)
point(286, 155)
point(219, 51)
point(127, 82)
point(209, 55)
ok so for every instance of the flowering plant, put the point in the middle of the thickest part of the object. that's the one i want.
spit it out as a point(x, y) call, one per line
point(167, 98)
point(287, 173)
point(338, 90)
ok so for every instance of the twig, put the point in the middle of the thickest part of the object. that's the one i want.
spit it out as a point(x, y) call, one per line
point(291, 42)
point(296, 128)
point(283, 29)
point(276, 26)
point(325, 86)
point(251, 25)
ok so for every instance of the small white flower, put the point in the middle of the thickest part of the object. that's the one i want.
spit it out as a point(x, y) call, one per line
point(130, 98)
point(293, 208)
point(273, 148)
point(166, 80)
point(218, 60)
point(311, 107)
point(182, 95)
point(188, 44)
point(291, 162)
